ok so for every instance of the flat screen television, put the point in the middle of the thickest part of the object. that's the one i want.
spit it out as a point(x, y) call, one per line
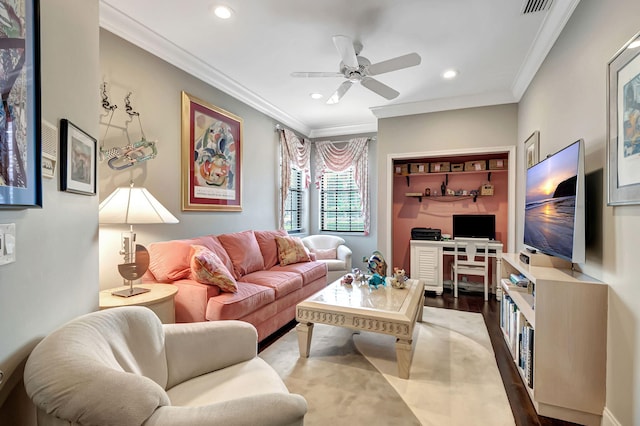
point(474, 226)
point(554, 216)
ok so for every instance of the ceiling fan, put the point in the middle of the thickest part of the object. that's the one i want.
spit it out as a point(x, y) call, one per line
point(358, 69)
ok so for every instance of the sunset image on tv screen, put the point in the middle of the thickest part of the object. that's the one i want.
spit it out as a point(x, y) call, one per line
point(551, 201)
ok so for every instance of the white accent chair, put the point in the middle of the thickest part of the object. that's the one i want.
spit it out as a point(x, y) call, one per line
point(331, 250)
point(121, 366)
point(471, 257)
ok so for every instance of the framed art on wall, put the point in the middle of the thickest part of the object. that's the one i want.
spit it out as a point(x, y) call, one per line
point(211, 157)
point(78, 159)
point(623, 125)
point(20, 131)
point(532, 148)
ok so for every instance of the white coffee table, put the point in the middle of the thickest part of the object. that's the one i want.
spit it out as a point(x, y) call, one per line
point(384, 310)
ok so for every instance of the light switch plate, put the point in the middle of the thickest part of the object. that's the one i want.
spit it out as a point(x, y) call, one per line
point(7, 243)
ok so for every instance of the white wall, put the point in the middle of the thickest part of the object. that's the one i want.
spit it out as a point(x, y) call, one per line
point(493, 126)
point(567, 100)
point(156, 88)
point(55, 276)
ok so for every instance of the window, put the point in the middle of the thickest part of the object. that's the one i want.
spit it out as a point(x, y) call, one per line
point(293, 204)
point(340, 203)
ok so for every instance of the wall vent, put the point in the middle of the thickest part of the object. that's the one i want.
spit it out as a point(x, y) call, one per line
point(532, 6)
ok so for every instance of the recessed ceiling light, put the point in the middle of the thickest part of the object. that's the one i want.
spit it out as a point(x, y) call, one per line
point(449, 74)
point(316, 95)
point(634, 44)
point(223, 12)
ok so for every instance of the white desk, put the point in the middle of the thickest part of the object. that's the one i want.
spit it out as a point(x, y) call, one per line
point(427, 262)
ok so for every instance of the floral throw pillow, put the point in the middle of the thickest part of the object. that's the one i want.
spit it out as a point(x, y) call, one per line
point(207, 268)
point(291, 250)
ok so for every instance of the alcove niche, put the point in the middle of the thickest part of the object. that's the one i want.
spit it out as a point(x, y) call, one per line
point(405, 208)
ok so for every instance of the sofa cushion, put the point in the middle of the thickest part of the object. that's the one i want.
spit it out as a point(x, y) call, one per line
point(268, 246)
point(282, 282)
point(169, 260)
point(207, 268)
point(291, 250)
point(310, 271)
point(236, 305)
point(244, 251)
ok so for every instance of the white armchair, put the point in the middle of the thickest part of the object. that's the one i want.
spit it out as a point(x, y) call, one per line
point(122, 366)
point(331, 250)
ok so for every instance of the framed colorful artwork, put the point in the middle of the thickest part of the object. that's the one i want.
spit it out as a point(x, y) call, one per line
point(623, 125)
point(78, 160)
point(211, 157)
point(20, 126)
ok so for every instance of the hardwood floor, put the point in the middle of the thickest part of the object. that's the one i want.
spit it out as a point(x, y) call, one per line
point(523, 411)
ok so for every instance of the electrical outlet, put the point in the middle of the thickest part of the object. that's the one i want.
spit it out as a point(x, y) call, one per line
point(7, 243)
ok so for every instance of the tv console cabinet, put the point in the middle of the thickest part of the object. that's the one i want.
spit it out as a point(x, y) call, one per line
point(562, 322)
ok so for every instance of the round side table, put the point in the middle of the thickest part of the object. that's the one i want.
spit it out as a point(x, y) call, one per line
point(159, 300)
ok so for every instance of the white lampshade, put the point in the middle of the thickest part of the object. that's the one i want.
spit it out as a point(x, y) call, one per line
point(133, 206)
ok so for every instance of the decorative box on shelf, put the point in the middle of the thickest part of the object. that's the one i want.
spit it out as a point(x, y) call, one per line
point(441, 166)
point(498, 164)
point(418, 167)
point(475, 166)
point(400, 169)
point(457, 167)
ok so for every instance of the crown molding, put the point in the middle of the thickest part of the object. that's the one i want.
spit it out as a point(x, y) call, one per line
point(113, 20)
point(548, 33)
point(344, 130)
point(443, 104)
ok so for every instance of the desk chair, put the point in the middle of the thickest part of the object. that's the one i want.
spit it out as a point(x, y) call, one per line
point(465, 255)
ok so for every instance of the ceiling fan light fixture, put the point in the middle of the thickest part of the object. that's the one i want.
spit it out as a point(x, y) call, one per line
point(333, 99)
point(222, 11)
point(450, 74)
point(316, 95)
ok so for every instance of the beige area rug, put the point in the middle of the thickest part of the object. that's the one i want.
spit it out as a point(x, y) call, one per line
point(351, 378)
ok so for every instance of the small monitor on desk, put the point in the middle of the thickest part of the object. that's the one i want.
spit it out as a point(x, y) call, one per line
point(474, 226)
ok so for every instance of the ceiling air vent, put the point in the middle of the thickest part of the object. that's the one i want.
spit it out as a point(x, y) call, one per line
point(531, 6)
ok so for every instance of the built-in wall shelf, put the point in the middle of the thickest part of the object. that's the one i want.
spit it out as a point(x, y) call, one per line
point(446, 174)
point(443, 198)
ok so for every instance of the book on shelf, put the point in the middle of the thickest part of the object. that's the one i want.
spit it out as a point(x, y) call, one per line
point(512, 287)
point(519, 280)
point(413, 194)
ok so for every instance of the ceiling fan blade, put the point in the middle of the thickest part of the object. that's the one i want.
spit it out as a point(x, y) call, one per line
point(404, 61)
point(345, 48)
point(316, 74)
point(380, 88)
point(335, 98)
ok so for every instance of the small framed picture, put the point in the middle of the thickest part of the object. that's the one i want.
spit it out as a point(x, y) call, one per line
point(78, 159)
point(531, 148)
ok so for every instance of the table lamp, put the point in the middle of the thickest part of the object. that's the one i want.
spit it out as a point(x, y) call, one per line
point(133, 206)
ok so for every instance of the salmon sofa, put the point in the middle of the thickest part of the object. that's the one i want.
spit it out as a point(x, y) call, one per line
point(267, 292)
